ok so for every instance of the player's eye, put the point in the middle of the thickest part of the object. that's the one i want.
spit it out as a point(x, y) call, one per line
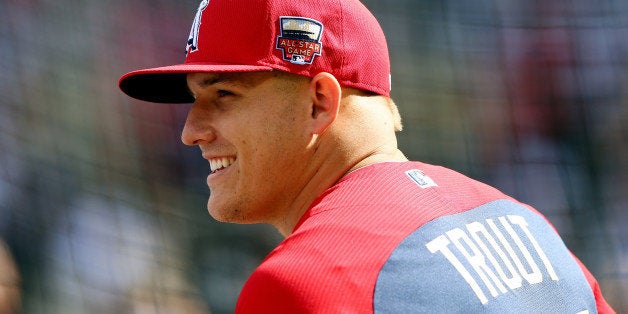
point(223, 93)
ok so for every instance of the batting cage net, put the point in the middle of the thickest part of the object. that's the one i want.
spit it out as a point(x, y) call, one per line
point(102, 209)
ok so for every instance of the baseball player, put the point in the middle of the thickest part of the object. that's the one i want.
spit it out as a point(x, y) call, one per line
point(292, 110)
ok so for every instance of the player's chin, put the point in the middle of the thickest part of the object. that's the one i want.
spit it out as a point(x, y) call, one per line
point(224, 213)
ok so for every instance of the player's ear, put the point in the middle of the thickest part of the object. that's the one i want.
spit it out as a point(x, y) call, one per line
point(325, 94)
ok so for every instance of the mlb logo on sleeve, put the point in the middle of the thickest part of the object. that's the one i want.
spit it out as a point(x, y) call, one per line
point(420, 178)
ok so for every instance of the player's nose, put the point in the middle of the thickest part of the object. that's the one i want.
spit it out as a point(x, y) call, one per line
point(197, 128)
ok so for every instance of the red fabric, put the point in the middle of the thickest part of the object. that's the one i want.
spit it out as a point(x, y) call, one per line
point(602, 306)
point(331, 261)
point(243, 36)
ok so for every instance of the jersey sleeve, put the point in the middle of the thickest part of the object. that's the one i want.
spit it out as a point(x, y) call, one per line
point(602, 305)
point(265, 292)
point(306, 284)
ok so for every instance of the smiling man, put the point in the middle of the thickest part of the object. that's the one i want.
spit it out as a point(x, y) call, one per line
point(292, 110)
point(273, 139)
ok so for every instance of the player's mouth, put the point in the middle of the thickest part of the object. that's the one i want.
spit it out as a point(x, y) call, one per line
point(221, 163)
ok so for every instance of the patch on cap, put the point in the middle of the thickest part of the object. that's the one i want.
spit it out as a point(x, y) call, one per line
point(300, 39)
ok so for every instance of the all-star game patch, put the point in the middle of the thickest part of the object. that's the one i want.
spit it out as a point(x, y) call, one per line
point(300, 39)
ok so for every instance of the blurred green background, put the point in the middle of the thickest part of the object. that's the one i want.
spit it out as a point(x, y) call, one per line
point(102, 209)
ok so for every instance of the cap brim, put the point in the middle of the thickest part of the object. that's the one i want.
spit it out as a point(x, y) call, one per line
point(168, 84)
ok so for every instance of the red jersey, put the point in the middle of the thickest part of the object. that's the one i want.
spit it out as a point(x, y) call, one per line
point(408, 237)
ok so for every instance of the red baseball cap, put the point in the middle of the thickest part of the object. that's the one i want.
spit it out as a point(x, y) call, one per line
point(303, 37)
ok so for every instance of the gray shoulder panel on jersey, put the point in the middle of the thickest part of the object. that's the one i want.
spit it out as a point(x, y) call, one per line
point(499, 257)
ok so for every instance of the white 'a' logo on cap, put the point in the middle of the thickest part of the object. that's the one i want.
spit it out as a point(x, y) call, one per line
point(196, 25)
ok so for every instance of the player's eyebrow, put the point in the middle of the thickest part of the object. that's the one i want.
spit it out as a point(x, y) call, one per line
point(241, 80)
point(235, 79)
point(216, 78)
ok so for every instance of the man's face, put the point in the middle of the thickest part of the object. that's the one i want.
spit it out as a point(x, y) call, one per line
point(250, 126)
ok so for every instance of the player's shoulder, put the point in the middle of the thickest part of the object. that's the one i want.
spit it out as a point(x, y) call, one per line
point(288, 283)
point(265, 291)
point(411, 174)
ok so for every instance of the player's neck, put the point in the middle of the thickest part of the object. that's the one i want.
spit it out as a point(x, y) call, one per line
point(384, 155)
point(323, 175)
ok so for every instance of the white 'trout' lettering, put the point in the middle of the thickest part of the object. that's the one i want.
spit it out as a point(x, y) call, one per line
point(491, 256)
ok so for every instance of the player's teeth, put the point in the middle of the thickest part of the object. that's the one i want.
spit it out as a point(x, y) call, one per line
point(219, 163)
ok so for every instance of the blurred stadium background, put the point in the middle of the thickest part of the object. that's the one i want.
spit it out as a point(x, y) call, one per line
point(102, 209)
